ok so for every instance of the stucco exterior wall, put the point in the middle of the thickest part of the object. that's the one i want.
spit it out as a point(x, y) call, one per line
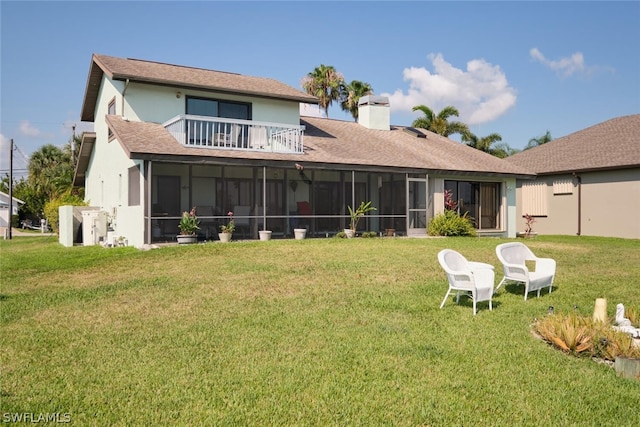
point(106, 184)
point(611, 204)
point(158, 104)
point(606, 202)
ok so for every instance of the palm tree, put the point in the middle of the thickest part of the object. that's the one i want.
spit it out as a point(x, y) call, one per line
point(534, 142)
point(482, 144)
point(50, 172)
point(350, 95)
point(324, 83)
point(440, 123)
point(486, 144)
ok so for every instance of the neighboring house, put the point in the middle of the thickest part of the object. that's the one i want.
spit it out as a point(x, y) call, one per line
point(588, 182)
point(168, 138)
point(5, 218)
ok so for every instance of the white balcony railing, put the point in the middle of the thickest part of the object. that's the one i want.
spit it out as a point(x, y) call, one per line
point(233, 134)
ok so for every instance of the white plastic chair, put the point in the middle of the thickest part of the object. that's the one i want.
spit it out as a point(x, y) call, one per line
point(514, 256)
point(474, 279)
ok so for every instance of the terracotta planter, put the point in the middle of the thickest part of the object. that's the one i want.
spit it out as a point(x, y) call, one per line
point(300, 233)
point(184, 239)
point(265, 235)
point(225, 237)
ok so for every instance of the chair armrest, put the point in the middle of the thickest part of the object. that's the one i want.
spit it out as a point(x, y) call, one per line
point(515, 269)
point(545, 264)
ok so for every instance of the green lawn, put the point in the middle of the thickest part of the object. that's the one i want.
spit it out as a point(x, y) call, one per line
point(302, 332)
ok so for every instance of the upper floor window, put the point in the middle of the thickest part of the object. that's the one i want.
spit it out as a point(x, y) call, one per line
point(111, 109)
point(218, 108)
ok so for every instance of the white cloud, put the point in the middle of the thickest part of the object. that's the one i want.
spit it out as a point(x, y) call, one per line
point(568, 66)
point(27, 129)
point(481, 93)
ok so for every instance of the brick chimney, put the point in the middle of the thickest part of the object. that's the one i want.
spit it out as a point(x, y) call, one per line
point(374, 112)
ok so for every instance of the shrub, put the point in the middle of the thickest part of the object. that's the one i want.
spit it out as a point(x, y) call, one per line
point(51, 208)
point(450, 223)
point(609, 344)
point(579, 335)
point(368, 234)
point(570, 333)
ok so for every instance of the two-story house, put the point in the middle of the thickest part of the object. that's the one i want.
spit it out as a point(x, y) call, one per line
point(168, 138)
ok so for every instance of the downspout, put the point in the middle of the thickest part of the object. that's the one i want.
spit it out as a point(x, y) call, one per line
point(126, 85)
point(579, 178)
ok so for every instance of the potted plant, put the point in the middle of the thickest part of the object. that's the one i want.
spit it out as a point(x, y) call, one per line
point(226, 231)
point(189, 223)
point(356, 215)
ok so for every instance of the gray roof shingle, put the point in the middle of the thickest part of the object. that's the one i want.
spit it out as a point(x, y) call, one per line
point(327, 142)
point(613, 144)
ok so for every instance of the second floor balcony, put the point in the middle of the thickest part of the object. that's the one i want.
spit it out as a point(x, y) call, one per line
point(234, 134)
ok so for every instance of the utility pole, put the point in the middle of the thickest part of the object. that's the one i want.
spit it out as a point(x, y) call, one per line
point(10, 187)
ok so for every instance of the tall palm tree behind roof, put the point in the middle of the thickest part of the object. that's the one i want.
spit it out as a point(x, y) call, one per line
point(486, 144)
point(534, 142)
point(350, 94)
point(323, 82)
point(440, 123)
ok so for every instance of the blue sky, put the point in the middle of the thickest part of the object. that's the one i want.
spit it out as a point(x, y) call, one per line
point(511, 67)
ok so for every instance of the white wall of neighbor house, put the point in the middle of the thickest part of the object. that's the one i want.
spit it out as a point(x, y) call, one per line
point(158, 104)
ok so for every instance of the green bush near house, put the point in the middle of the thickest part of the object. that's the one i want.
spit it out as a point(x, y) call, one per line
point(450, 223)
point(252, 334)
point(51, 211)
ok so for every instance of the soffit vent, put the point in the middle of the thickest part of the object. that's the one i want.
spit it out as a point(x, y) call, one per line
point(415, 132)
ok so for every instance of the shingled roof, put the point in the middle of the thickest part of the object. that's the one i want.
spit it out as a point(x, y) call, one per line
point(136, 70)
point(327, 143)
point(613, 144)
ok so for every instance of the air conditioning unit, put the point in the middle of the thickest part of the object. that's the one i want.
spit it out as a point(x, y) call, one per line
point(94, 227)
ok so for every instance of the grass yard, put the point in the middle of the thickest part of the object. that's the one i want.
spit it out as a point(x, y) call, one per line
point(302, 332)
